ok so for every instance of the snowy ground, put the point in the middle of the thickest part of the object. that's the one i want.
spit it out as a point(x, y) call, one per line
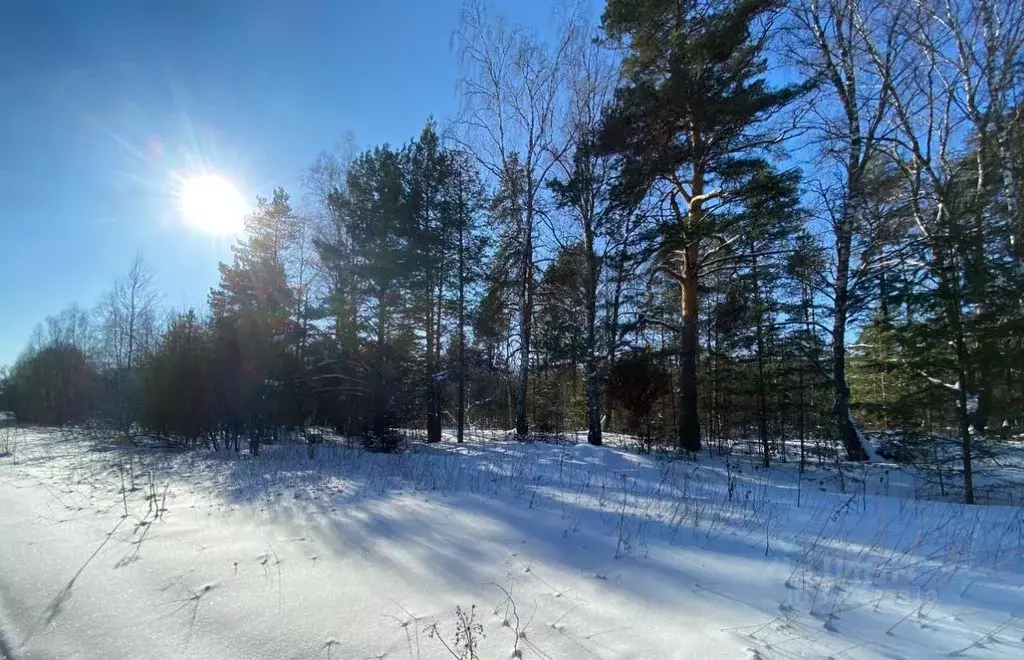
point(566, 552)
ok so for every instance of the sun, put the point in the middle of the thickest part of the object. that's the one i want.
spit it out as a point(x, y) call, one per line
point(212, 204)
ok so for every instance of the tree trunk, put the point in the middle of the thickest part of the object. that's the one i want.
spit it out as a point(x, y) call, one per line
point(689, 339)
point(800, 415)
point(711, 385)
point(762, 387)
point(435, 431)
point(963, 411)
point(964, 419)
point(525, 326)
point(978, 279)
point(612, 326)
point(590, 367)
point(845, 429)
point(430, 366)
point(460, 419)
point(380, 418)
point(949, 288)
point(593, 401)
point(122, 385)
point(689, 419)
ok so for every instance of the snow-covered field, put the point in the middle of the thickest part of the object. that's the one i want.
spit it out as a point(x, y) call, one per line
point(565, 551)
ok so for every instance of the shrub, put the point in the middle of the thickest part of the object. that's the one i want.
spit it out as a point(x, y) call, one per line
point(636, 382)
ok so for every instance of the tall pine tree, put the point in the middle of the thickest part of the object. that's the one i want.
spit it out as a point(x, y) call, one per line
point(689, 125)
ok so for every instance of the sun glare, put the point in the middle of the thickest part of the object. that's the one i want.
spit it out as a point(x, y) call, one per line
point(212, 204)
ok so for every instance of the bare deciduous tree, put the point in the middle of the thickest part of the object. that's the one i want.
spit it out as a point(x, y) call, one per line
point(953, 72)
point(512, 87)
point(583, 190)
point(127, 327)
point(847, 124)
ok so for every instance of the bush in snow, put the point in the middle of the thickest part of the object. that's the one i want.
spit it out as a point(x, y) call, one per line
point(387, 442)
point(636, 383)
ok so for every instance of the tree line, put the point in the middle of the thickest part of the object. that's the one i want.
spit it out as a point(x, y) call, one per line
point(696, 222)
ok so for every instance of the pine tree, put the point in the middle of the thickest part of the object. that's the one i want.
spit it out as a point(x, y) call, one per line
point(464, 205)
point(689, 128)
point(177, 393)
point(379, 270)
point(430, 234)
point(252, 308)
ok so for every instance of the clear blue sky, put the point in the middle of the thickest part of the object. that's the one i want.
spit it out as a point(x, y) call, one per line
point(102, 101)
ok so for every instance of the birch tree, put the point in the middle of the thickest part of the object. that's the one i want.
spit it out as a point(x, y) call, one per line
point(953, 72)
point(512, 87)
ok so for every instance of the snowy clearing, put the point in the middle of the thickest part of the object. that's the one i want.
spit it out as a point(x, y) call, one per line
point(567, 551)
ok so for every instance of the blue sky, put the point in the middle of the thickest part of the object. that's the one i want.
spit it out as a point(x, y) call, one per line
point(102, 102)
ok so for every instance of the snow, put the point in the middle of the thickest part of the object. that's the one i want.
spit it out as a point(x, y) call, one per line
point(605, 553)
point(865, 442)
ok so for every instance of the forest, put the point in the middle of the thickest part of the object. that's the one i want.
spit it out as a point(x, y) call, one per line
point(694, 222)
